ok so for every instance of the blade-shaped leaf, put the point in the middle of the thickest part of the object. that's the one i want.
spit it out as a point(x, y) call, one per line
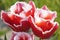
point(5, 38)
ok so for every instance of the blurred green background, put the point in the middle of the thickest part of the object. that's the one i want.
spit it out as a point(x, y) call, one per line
point(53, 5)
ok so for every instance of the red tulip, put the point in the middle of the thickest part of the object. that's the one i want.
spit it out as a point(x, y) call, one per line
point(22, 36)
point(42, 28)
point(16, 22)
point(16, 18)
point(43, 24)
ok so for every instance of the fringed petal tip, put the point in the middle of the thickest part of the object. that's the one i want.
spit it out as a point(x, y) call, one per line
point(2, 13)
point(44, 7)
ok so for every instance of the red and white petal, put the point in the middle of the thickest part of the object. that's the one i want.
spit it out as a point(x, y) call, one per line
point(32, 10)
point(45, 7)
point(26, 7)
point(15, 22)
point(8, 19)
point(16, 8)
point(43, 29)
point(19, 7)
point(32, 4)
point(47, 15)
point(21, 36)
point(12, 36)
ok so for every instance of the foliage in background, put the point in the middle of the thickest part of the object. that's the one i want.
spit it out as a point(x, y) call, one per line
point(2, 32)
point(51, 4)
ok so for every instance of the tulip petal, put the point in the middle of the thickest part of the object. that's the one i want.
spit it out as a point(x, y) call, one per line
point(44, 7)
point(15, 22)
point(31, 12)
point(10, 19)
point(47, 15)
point(18, 7)
point(44, 29)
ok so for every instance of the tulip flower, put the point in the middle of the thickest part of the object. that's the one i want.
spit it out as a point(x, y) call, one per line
point(22, 36)
point(16, 18)
point(43, 24)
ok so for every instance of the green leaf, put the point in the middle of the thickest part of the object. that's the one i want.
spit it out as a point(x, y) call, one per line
point(54, 37)
point(5, 38)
